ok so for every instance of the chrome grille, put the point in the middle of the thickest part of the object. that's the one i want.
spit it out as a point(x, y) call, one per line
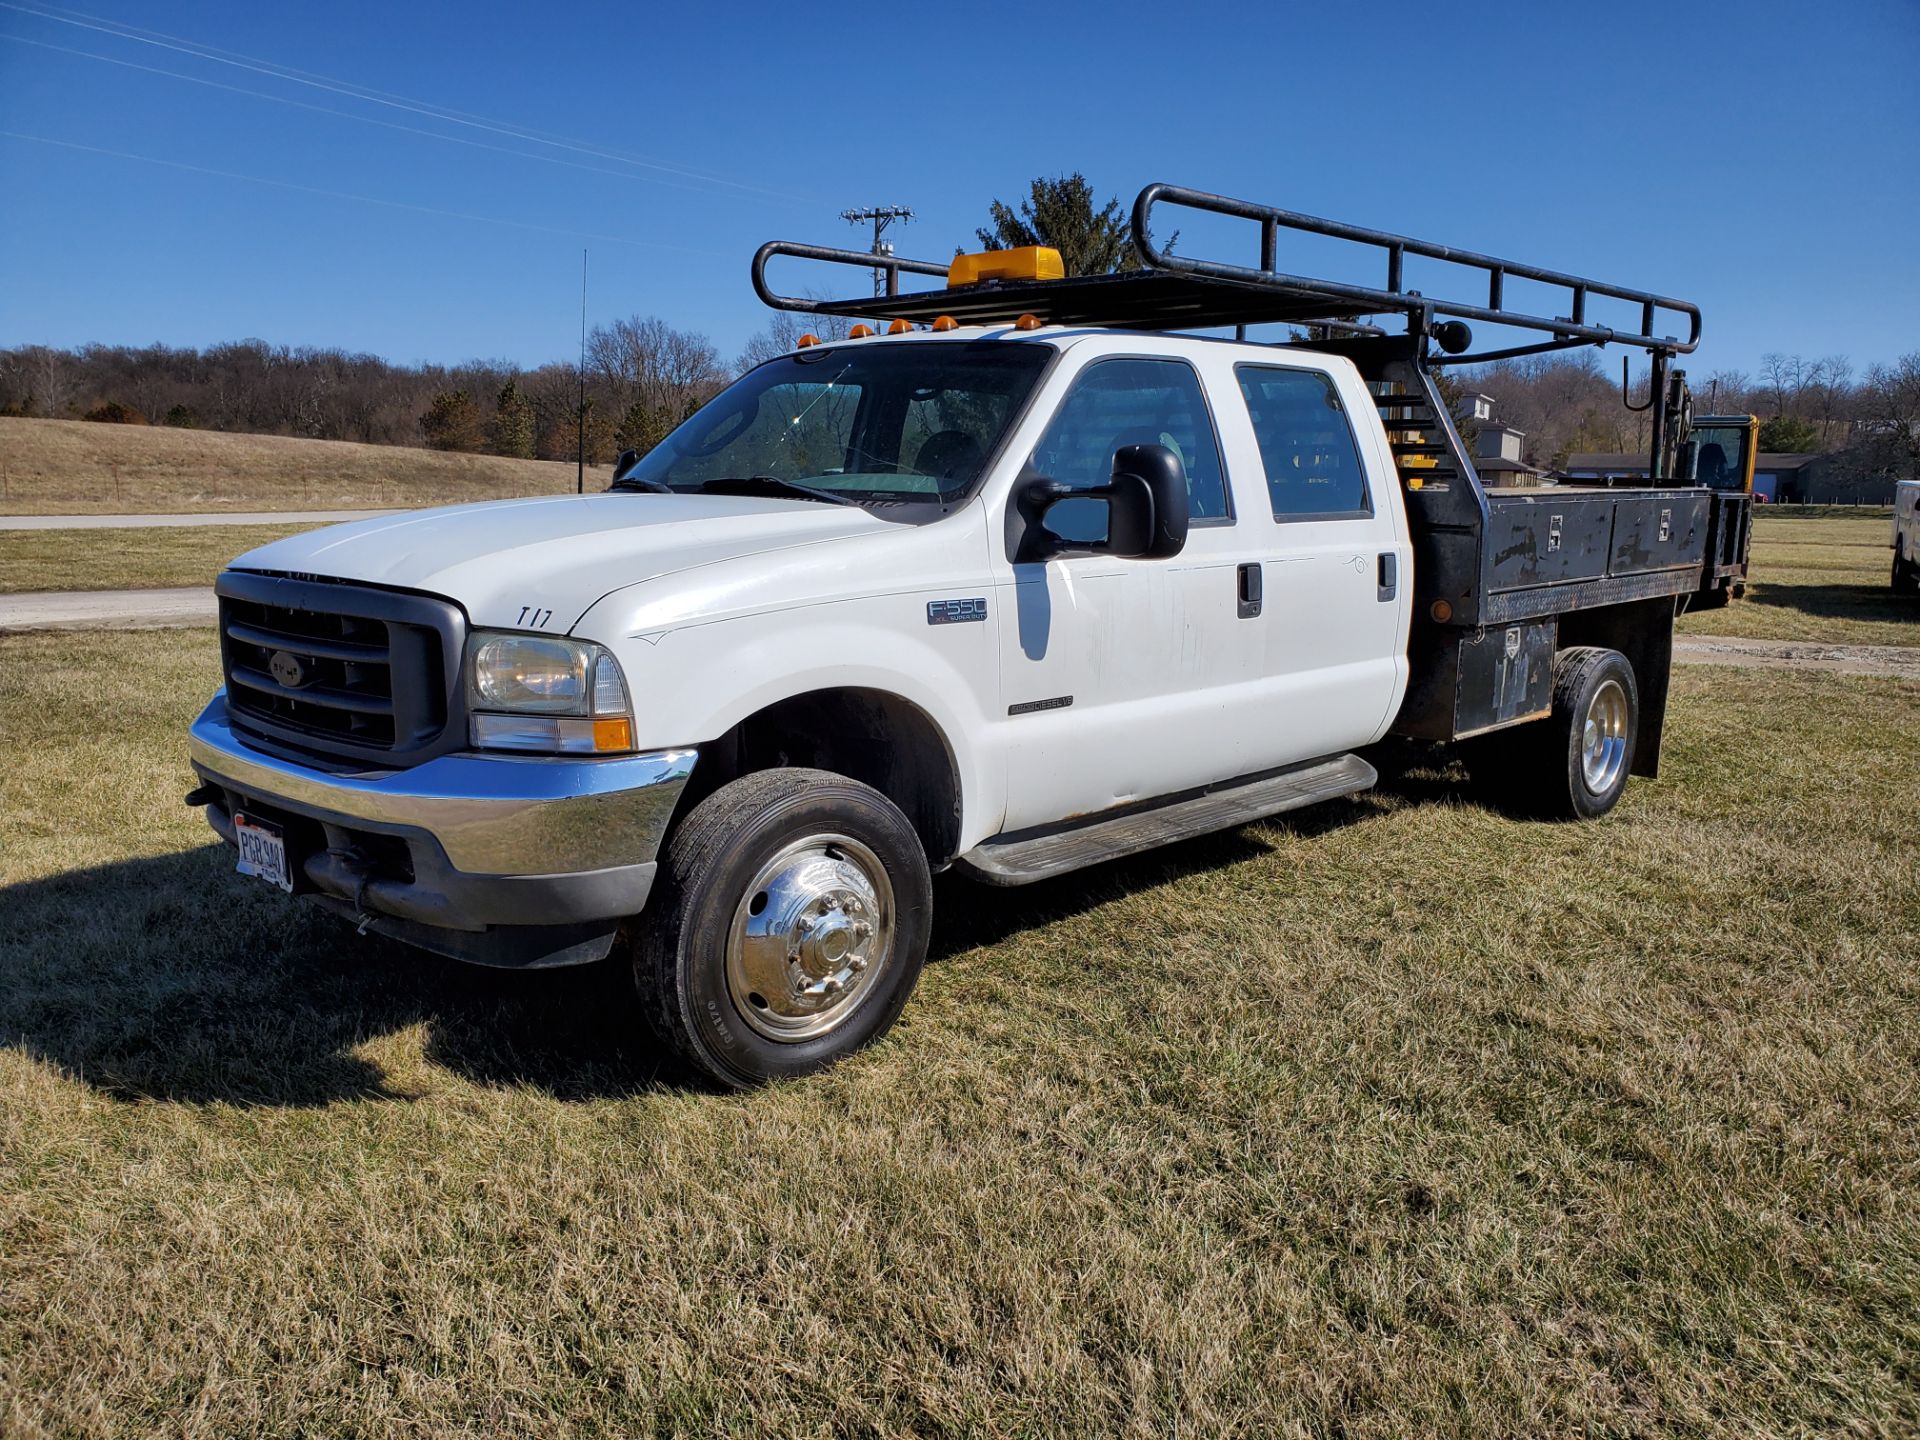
point(340, 670)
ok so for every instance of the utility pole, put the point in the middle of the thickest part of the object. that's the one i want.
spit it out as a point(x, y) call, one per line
point(881, 216)
point(580, 422)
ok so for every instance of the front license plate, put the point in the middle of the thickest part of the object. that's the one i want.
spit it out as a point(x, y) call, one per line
point(263, 851)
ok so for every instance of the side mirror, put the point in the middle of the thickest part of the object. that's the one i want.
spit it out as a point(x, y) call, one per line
point(626, 461)
point(1148, 516)
point(1146, 500)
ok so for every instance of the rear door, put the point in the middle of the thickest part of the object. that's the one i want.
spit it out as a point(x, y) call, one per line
point(1325, 668)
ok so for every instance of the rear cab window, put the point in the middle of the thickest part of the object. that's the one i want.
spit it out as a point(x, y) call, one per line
point(1307, 448)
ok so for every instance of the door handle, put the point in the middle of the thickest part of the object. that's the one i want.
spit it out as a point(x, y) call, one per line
point(1248, 588)
point(1389, 582)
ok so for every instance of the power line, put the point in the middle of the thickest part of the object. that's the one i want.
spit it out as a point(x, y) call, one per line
point(376, 97)
point(349, 115)
point(881, 216)
point(359, 199)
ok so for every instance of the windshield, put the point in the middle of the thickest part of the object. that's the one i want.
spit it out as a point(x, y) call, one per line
point(882, 422)
point(1720, 461)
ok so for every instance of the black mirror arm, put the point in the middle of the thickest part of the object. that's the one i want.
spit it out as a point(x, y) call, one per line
point(1038, 496)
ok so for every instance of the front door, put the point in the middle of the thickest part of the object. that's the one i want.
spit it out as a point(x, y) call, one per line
point(1114, 671)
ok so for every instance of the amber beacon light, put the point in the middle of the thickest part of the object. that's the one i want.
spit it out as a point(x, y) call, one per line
point(1024, 262)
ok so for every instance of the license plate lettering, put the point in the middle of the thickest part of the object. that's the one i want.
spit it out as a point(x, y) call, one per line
point(263, 851)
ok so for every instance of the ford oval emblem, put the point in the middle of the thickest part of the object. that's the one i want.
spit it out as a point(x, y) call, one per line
point(287, 669)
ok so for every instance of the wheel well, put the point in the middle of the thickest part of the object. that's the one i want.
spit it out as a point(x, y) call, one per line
point(867, 735)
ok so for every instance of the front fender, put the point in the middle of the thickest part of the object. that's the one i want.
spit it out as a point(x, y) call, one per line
point(699, 681)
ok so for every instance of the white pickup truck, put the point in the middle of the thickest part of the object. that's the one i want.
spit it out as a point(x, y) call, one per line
point(1015, 596)
point(1906, 537)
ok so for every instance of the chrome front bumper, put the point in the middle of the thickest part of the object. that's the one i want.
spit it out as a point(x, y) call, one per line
point(491, 841)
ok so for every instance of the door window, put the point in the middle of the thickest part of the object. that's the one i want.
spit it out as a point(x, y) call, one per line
point(1130, 402)
point(1306, 445)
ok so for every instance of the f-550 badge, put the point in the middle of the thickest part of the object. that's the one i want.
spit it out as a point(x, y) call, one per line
point(956, 612)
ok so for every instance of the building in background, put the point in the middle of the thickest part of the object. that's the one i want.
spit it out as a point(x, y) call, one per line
point(1499, 450)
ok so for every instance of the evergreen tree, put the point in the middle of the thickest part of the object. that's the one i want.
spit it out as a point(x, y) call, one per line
point(1060, 213)
point(512, 431)
point(1789, 435)
point(598, 436)
point(643, 427)
point(453, 422)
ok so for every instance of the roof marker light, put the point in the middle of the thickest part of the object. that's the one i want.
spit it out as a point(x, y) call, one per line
point(899, 327)
point(1027, 322)
point(859, 332)
point(805, 340)
point(944, 323)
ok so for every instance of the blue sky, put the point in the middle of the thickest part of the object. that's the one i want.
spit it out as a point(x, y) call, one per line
point(1762, 159)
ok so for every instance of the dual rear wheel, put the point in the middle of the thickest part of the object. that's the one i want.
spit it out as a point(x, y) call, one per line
point(1573, 764)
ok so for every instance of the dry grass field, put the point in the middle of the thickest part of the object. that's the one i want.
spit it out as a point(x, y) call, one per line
point(1400, 1118)
point(125, 559)
point(1821, 578)
point(76, 467)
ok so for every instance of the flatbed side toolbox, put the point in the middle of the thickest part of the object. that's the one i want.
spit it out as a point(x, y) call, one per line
point(1547, 541)
point(1659, 532)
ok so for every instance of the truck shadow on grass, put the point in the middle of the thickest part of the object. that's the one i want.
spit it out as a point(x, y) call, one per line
point(1835, 602)
point(170, 979)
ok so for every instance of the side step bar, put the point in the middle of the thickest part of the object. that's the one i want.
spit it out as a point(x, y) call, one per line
point(1039, 855)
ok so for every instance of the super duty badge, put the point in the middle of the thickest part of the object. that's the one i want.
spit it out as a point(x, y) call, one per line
point(956, 612)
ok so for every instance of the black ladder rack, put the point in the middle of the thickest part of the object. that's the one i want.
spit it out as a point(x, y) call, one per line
point(1183, 292)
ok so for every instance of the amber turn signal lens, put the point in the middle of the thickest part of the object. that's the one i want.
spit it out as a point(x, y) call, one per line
point(613, 734)
point(899, 327)
point(945, 322)
point(1027, 322)
point(860, 332)
point(806, 340)
point(1441, 612)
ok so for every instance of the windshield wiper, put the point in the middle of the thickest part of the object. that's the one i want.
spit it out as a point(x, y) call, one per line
point(770, 484)
point(634, 482)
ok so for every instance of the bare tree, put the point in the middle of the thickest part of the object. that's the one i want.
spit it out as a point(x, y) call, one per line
point(1830, 391)
point(643, 359)
point(1783, 381)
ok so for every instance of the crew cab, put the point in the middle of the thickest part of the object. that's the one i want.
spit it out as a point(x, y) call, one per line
point(1021, 585)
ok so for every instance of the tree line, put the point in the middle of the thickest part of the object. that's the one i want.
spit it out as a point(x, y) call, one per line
point(1868, 421)
point(643, 376)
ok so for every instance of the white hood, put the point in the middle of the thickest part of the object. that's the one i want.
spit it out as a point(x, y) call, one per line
point(555, 552)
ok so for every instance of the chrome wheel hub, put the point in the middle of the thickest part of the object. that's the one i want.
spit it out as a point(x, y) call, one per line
point(809, 936)
point(1603, 738)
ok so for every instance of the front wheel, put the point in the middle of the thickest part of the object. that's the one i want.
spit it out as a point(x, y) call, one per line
point(787, 927)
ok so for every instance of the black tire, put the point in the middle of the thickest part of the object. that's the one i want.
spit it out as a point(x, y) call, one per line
point(1542, 769)
point(1906, 578)
point(689, 979)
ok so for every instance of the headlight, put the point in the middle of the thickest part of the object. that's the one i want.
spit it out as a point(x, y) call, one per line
point(545, 693)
